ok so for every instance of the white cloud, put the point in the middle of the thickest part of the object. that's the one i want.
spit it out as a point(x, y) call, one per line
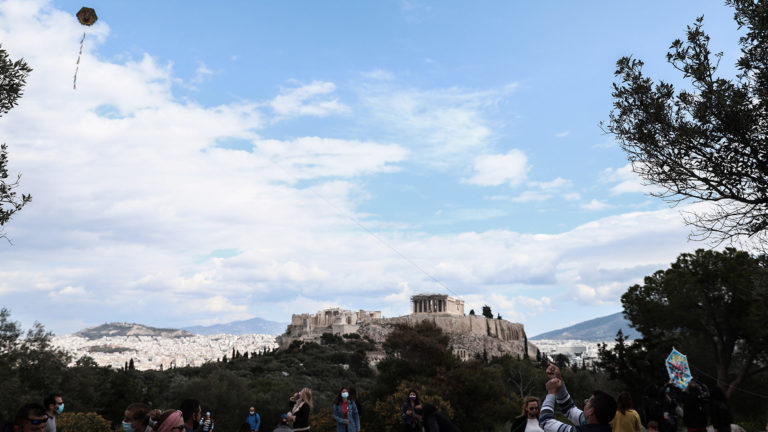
point(626, 179)
point(202, 73)
point(305, 101)
point(562, 134)
point(595, 205)
point(444, 127)
point(495, 170)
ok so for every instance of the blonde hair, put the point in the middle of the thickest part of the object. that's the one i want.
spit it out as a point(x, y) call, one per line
point(306, 395)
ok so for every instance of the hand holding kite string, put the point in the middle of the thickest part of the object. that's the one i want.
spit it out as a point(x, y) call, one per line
point(86, 16)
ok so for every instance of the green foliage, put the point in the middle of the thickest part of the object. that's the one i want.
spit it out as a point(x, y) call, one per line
point(82, 422)
point(13, 76)
point(709, 303)
point(707, 142)
point(487, 312)
point(386, 413)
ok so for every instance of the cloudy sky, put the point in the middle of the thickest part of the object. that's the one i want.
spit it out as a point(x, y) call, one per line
point(218, 163)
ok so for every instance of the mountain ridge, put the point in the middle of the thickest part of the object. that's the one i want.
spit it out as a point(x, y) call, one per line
point(250, 326)
point(129, 329)
point(594, 330)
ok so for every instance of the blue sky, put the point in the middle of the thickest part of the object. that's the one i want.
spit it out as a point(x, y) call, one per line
point(263, 158)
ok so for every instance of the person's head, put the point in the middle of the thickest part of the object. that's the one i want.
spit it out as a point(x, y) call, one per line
point(251, 410)
point(531, 407)
point(30, 418)
point(624, 402)
point(208, 415)
point(413, 396)
point(245, 427)
point(54, 404)
point(284, 419)
point(168, 420)
point(190, 411)
point(135, 417)
point(342, 395)
point(653, 426)
point(306, 395)
point(600, 408)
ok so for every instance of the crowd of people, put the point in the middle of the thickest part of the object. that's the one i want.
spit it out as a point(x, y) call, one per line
point(696, 406)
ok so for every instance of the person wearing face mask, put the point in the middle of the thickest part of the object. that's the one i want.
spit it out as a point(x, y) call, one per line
point(135, 418)
point(54, 405)
point(253, 419)
point(410, 422)
point(345, 412)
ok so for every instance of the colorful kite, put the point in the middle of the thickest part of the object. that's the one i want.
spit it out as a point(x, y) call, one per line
point(677, 367)
point(86, 16)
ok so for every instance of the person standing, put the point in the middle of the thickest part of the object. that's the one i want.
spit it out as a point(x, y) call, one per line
point(529, 420)
point(191, 412)
point(54, 405)
point(253, 419)
point(135, 418)
point(207, 422)
point(626, 419)
point(345, 412)
point(301, 405)
point(599, 409)
point(410, 421)
point(721, 413)
point(434, 421)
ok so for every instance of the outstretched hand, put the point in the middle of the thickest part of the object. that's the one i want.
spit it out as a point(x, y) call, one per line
point(553, 371)
point(554, 385)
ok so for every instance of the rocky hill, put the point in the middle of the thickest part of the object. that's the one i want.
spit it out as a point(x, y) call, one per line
point(129, 329)
point(594, 330)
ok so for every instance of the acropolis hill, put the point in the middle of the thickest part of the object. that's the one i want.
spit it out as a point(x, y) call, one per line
point(470, 335)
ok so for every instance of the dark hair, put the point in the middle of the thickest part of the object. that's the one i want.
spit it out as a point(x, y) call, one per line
point(416, 401)
point(139, 411)
point(624, 402)
point(604, 406)
point(527, 400)
point(337, 400)
point(24, 412)
point(653, 424)
point(188, 408)
point(50, 400)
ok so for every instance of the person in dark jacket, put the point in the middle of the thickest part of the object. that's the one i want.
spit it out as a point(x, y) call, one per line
point(301, 404)
point(721, 413)
point(434, 421)
point(529, 419)
point(410, 421)
point(694, 407)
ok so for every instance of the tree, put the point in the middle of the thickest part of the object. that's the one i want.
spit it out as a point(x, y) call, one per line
point(708, 298)
point(472, 312)
point(487, 312)
point(707, 143)
point(13, 76)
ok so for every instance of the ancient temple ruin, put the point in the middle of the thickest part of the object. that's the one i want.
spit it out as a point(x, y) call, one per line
point(436, 303)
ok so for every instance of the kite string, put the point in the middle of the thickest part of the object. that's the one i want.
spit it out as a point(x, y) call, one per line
point(77, 65)
point(737, 388)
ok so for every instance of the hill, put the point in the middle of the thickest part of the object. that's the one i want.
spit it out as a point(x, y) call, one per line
point(251, 326)
point(594, 330)
point(129, 329)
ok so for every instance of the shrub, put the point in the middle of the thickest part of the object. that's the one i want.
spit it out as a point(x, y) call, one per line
point(82, 422)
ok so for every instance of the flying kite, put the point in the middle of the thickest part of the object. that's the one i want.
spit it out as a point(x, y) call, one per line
point(678, 370)
point(86, 16)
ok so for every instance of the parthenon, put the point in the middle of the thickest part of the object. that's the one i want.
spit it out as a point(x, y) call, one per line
point(437, 303)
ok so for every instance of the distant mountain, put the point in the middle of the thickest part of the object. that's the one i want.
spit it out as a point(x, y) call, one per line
point(251, 326)
point(594, 330)
point(129, 329)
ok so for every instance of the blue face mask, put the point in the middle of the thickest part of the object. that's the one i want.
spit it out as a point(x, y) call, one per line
point(127, 427)
point(345, 395)
point(60, 409)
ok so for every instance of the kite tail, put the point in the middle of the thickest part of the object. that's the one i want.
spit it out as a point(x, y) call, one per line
point(77, 65)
